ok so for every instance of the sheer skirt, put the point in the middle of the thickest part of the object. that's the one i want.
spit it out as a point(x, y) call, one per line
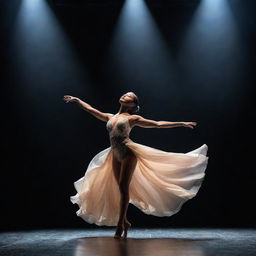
point(161, 183)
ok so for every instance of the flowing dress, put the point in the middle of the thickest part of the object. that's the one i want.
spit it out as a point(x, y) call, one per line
point(161, 183)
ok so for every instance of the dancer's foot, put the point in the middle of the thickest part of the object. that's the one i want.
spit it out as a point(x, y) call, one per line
point(127, 225)
point(119, 231)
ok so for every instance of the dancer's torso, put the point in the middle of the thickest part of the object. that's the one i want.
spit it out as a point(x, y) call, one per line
point(119, 129)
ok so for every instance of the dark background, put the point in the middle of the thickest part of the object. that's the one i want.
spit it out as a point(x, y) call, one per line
point(181, 72)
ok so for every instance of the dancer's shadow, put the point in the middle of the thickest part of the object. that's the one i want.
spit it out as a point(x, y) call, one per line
point(139, 246)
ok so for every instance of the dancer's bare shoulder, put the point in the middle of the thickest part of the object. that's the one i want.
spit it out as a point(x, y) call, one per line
point(108, 116)
point(137, 120)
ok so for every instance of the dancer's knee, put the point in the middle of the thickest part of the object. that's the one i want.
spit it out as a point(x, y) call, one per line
point(123, 189)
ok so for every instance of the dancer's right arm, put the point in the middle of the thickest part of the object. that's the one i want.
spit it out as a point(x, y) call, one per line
point(95, 112)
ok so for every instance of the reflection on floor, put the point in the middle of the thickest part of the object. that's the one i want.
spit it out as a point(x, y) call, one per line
point(171, 242)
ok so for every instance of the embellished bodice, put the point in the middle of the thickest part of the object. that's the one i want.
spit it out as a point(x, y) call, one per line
point(119, 129)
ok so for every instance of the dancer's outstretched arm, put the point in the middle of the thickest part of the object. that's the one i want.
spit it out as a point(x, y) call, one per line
point(147, 123)
point(95, 112)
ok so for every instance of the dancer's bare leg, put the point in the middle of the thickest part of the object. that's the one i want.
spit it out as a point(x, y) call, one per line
point(127, 225)
point(116, 164)
point(127, 169)
point(116, 168)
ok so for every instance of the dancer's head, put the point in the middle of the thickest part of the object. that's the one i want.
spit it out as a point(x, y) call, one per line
point(131, 101)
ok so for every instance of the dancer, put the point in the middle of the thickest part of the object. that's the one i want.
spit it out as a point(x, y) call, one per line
point(155, 181)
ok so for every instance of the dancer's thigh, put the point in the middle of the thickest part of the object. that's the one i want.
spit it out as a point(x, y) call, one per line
point(116, 164)
point(127, 168)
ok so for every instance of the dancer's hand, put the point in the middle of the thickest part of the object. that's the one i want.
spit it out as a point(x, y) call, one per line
point(189, 124)
point(68, 98)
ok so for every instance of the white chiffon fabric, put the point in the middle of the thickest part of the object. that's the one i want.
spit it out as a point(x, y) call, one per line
point(161, 183)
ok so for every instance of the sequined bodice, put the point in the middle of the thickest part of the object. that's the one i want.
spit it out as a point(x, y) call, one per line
point(119, 130)
point(118, 127)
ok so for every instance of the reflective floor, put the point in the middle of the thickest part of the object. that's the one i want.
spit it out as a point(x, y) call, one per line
point(171, 242)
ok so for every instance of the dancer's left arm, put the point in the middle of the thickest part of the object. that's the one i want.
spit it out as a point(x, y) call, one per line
point(147, 123)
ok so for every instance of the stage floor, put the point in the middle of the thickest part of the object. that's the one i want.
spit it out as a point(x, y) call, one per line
point(171, 242)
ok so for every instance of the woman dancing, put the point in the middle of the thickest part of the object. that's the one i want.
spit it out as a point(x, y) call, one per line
point(155, 181)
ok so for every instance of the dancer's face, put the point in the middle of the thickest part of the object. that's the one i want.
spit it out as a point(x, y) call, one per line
point(127, 100)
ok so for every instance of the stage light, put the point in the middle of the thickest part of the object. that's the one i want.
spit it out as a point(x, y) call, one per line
point(138, 53)
point(41, 52)
point(212, 53)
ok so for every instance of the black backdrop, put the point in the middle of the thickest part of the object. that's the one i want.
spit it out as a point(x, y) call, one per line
point(48, 144)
